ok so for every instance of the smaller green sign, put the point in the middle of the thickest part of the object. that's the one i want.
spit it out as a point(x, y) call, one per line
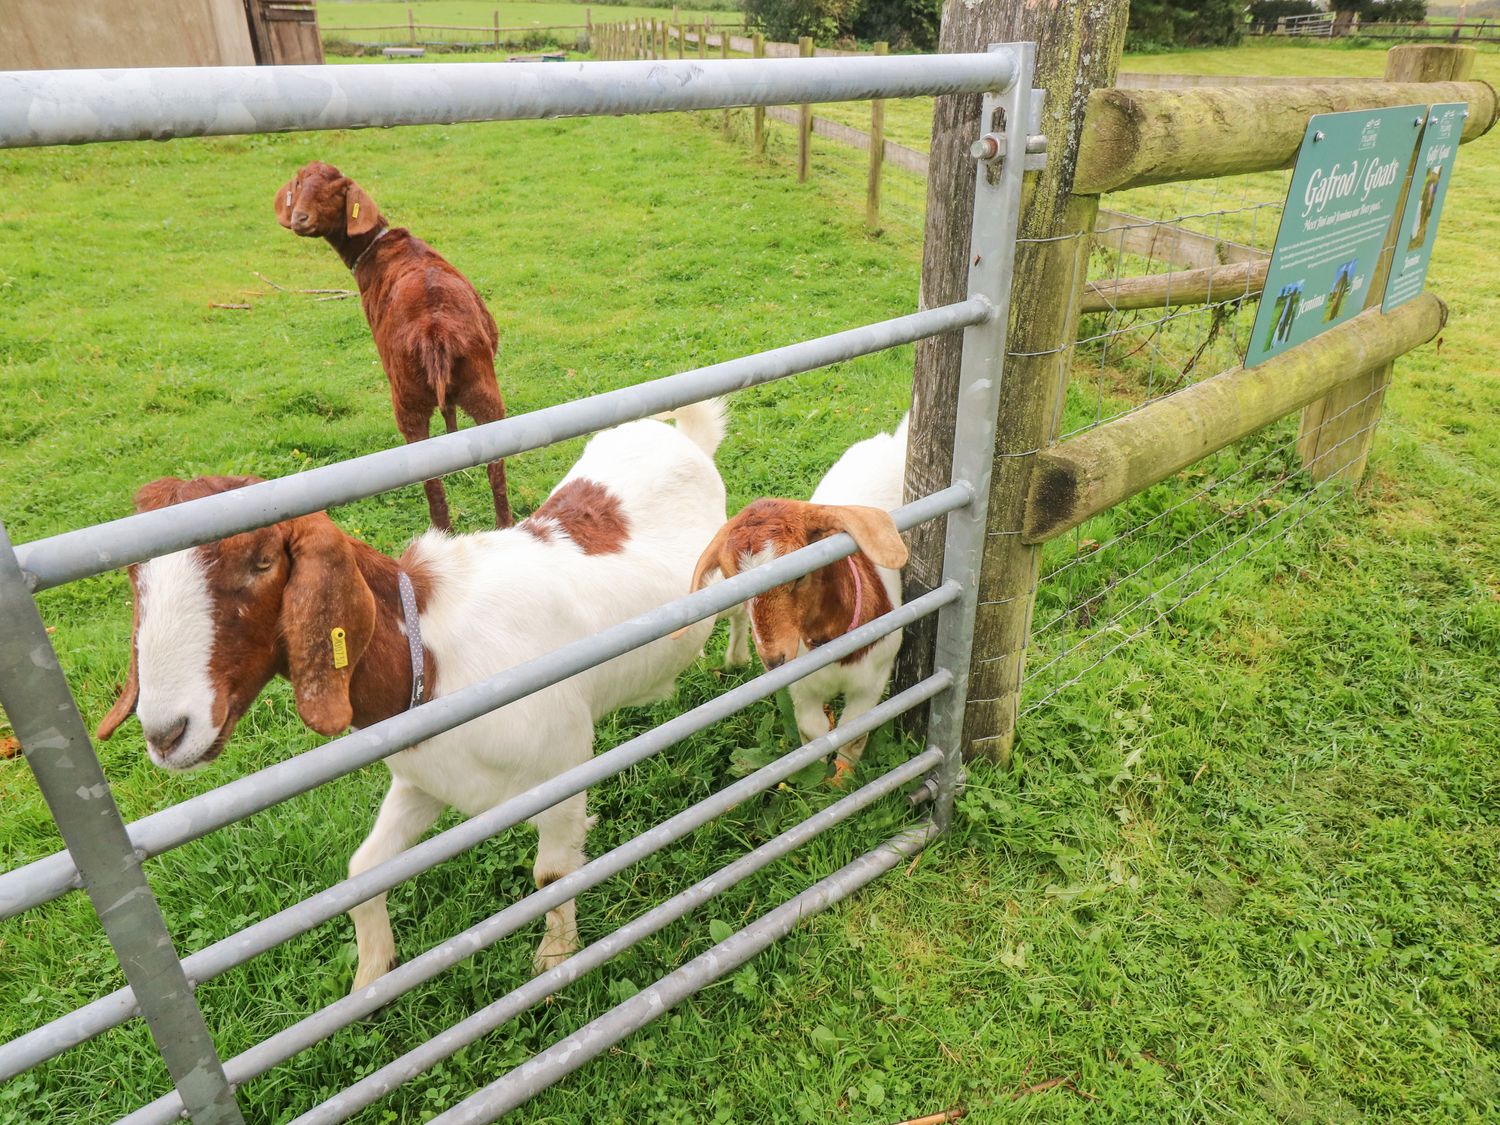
point(1343, 195)
point(1424, 203)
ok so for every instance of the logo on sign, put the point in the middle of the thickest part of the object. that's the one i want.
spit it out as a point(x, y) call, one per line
point(1370, 136)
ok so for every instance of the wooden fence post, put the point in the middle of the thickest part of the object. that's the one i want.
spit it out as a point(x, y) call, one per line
point(758, 136)
point(724, 54)
point(804, 121)
point(703, 40)
point(411, 28)
point(877, 154)
point(1079, 43)
point(1336, 432)
point(681, 42)
point(665, 49)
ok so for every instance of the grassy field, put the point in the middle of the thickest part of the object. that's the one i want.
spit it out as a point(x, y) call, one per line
point(341, 14)
point(1246, 869)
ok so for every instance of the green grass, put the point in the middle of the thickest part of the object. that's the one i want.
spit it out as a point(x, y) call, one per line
point(479, 13)
point(1246, 868)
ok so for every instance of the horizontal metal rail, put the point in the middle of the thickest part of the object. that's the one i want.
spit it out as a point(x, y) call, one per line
point(51, 1039)
point(373, 1087)
point(57, 107)
point(93, 550)
point(593, 1039)
point(45, 879)
point(320, 1025)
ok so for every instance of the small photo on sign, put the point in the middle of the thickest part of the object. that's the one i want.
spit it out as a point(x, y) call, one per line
point(1442, 131)
point(1343, 281)
point(1283, 313)
point(1424, 208)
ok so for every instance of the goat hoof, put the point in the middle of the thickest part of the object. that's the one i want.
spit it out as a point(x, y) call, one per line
point(363, 980)
point(365, 976)
point(552, 953)
point(843, 773)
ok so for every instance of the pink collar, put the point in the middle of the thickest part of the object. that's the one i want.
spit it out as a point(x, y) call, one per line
point(859, 593)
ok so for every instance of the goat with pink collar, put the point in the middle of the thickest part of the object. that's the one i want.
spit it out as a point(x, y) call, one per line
point(856, 496)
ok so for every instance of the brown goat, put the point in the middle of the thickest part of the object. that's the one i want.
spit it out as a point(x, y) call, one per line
point(435, 337)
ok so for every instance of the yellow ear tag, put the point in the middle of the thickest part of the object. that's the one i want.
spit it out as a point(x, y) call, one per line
point(356, 210)
point(340, 649)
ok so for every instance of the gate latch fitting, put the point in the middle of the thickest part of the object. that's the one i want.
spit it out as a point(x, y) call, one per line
point(989, 148)
point(1036, 152)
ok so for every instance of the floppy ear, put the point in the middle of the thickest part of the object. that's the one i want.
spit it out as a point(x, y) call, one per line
point(361, 216)
point(874, 531)
point(710, 560)
point(284, 203)
point(126, 703)
point(325, 595)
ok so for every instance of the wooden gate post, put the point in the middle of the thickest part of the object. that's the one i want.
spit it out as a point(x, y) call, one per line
point(724, 54)
point(1337, 431)
point(1079, 43)
point(877, 154)
point(758, 117)
point(804, 121)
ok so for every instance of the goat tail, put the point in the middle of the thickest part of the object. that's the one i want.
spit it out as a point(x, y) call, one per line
point(703, 423)
point(437, 366)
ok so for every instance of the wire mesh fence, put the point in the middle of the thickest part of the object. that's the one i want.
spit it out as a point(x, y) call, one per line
point(1137, 566)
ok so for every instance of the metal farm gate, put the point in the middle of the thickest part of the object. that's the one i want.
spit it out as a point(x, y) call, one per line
point(105, 857)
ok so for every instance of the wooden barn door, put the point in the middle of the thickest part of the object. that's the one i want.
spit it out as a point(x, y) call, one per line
point(284, 32)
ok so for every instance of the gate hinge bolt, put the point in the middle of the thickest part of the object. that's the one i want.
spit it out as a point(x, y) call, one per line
point(987, 147)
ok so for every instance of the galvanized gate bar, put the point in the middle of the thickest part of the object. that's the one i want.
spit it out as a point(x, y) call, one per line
point(51, 1039)
point(997, 210)
point(45, 879)
point(40, 705)
point(341, 1013)
point(80, 106)
point(108, 546)
point(373, 1087)
point(593, 1039)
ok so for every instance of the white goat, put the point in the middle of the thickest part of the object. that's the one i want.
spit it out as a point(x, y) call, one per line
point(856, 495)
point(617, 537)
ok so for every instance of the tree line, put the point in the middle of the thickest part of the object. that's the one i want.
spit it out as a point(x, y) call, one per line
point(913, 24)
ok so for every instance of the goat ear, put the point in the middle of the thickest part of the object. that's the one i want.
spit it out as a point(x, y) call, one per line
point(326, 601)
point(132, 690)
point(708, 563)
point(284, 203)
point(874, 531)
point(710, 560)
point(361, 216)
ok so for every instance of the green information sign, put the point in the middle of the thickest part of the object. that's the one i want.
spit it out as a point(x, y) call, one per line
point(1349, 175)
point(1424, 203)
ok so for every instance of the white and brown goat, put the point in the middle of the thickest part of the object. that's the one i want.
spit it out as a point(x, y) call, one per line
point(301, 599)
point(856, 496)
